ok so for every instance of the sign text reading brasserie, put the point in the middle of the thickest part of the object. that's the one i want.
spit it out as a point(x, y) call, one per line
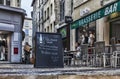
point(97, 14)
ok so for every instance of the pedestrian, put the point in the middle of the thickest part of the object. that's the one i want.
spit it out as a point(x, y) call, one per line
point(86, 38)
point(2, 50)
point(83, 39)
point(78, 53)
point(77, 46)
point(91, 39)
point(27, 49)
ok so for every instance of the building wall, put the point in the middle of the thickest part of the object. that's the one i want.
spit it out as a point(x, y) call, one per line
point(27, 28)
point(13, 3)
point(16, 3)
point(41, 16)
point(80, 9)
point(12, 22)
point(51, 19)
point(92, 5)
point(102, 25)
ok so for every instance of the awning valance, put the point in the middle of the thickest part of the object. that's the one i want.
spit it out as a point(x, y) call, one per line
point(106, 10)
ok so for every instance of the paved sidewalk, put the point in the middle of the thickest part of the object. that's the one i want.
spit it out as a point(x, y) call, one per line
point(24, 69)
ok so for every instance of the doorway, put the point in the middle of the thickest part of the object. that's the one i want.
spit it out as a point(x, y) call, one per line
point(115, 30)
point(5, 45)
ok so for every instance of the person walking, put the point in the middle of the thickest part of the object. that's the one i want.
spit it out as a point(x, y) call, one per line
point(2, 52)
point(27, 49)
point(91, 39)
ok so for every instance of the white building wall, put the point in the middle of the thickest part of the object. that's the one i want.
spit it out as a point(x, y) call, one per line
point(49, 23)
point(14, 3)
point(28, 38)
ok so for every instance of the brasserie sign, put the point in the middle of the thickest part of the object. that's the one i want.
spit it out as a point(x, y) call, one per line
point(111, 8)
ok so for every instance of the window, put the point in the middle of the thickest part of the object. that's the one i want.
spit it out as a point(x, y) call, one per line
point(54, 27)
point(30, 32)
point(1, 1)
point(48, 29)
point(71, 6)
point(45, 15)
point(47, 12)
point(51, 8)
point(8, 2)
point(18, 2)
point(26, 24)
point(26, 32)
point(62, 10)
point(79, 2)
point(45, 30)
point(51, 27)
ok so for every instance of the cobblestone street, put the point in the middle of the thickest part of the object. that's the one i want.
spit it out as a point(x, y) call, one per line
point(23, 71)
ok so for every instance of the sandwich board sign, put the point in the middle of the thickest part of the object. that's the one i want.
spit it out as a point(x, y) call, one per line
point(48, 50)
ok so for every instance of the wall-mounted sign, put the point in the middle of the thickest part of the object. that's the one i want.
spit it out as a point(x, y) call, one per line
point(108, 9)
point(16, 50)
point(63, 32)
point(68, 19)
point(49, 50)
point(84, 11)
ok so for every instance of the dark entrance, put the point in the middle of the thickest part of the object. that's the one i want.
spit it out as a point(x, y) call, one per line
point(65, 32)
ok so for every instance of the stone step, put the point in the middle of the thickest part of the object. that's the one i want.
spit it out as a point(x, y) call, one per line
point(28, 69)
point(6, 64)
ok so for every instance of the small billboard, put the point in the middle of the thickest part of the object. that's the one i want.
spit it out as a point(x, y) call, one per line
point(48, 50)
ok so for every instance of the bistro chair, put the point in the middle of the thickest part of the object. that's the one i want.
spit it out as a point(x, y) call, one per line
point(115, 58)
point(84, 54)
point(108, 54)
point(67, 58)
point(100, 53)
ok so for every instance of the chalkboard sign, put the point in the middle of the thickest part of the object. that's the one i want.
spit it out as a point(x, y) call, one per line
point(49, 51)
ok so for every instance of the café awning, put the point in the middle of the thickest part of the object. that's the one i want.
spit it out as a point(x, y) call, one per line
point(104, 11)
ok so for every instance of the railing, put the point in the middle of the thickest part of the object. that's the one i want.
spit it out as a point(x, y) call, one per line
point(98, 56)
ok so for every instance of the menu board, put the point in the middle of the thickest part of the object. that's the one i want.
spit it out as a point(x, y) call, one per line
point(48, 50)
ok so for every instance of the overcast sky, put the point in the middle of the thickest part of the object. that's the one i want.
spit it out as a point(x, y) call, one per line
point(26, 4)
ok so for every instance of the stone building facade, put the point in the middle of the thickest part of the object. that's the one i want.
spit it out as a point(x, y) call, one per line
point(27, 28)
point(63, 27)
point(13, 3)
point(51, 15)
point(11, 23)
point(55, 11)
point(99, 27)
point(46, 14)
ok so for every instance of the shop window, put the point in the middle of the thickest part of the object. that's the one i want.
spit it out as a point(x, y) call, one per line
point(2, 2)
point(85, 33)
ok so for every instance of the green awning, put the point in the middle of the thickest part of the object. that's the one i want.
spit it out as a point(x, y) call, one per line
point(106, 10)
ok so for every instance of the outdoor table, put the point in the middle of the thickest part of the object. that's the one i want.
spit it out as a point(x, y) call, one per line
point(68, 55)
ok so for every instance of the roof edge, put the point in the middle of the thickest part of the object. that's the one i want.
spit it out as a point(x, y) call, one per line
point(13, 9)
